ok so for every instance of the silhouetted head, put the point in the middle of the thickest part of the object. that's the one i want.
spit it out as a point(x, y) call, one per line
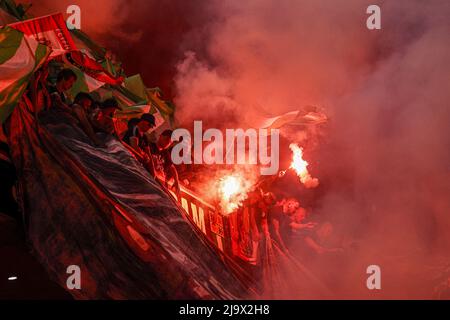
point(146, 122)
point(165, 140)
point(84, 99)
point(109, 107)
point(66, 79)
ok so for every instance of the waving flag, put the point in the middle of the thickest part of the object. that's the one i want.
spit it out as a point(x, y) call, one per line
point(20, 56)
point(90, 73)
point(50, 31)
point(308, 116)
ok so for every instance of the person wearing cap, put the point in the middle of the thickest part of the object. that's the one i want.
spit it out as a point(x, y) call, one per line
point(135, 135)
point(103, 120)
point(163, 166)
point(280, 217)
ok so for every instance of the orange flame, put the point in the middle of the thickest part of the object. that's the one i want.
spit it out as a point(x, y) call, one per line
point(233, 191)
point(300, 166)
point(230, 187)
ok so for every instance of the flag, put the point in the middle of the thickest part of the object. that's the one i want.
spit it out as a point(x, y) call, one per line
point(50, 31)
point(135, 85)
point(308, 116)
point(105, 57)
point(84, 83)
point(93, 71)
point(166, 108)
point(126, 98)
point(91, 75)
point(278, 121)
point(20, 57)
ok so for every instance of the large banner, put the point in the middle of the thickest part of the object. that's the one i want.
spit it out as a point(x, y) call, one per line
point(50, 31)
point(20, 57)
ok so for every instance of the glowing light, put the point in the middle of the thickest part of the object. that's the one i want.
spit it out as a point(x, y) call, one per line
point(300, 166)
point(12, 278)
point(232, 190)
point(230, 186)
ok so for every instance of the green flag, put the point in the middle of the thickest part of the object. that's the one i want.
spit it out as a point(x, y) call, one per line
point(20, 57)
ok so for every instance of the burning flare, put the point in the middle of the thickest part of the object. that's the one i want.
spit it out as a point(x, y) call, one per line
point(232, 191)
point(230, 186)
point(300, 167)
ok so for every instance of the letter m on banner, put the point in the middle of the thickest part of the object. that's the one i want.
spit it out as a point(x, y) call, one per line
point(48, 30)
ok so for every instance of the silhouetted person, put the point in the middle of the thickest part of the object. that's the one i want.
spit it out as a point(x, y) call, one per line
point(81, 108)
point(64, 82)
point(162, 160)
point(280, 219)
point(103, 121)
point(135, 135)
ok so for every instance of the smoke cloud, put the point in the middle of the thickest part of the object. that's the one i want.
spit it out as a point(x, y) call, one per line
point(385, 169)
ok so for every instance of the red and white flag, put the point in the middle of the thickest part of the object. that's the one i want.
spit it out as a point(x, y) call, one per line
point(50, 31)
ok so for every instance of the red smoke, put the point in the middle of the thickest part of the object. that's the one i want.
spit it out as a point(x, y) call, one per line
point(385, 169)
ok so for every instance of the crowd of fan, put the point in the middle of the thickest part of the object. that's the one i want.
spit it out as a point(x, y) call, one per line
point(292, 228)
point(98, 116)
